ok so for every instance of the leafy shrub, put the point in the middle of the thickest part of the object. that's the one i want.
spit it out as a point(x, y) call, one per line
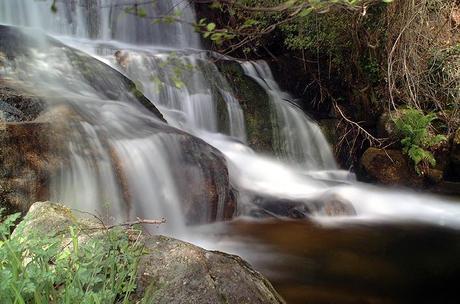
point(38, 269)
point(414, 128)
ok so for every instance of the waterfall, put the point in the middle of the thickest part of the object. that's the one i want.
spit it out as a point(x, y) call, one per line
point(121, 155)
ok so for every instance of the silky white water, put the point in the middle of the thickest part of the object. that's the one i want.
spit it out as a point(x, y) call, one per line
point(191, 99)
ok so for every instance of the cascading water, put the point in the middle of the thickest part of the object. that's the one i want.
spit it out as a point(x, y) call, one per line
point(297, 138)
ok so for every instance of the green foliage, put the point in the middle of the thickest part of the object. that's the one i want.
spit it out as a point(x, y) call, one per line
point(414, 128)
point(208, 29)
point(39, 269)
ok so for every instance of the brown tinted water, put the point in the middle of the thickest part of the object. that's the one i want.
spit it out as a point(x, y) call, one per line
point(353, 263)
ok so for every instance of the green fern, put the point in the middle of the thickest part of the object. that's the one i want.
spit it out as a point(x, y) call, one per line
point(414, 129)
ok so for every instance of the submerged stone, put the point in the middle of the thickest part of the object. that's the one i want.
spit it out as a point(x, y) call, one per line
point(325, 205)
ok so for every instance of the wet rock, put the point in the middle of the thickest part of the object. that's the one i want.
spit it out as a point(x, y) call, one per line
point(447, 188)
point(27, 162)
point(16, 104)
point(201, 174)
point(268, 206)
point(389, 167)
point(178, 272)
point(435, 176)
point(17, 45)
point(45, 145)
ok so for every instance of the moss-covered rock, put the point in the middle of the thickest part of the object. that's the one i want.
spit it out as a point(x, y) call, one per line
point(255, 104)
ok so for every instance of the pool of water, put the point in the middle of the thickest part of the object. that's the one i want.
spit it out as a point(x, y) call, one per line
point(352, 263)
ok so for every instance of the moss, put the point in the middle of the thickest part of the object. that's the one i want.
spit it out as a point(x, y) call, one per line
point(255, 103)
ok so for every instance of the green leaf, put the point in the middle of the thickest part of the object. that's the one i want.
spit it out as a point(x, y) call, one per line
point(211, 26)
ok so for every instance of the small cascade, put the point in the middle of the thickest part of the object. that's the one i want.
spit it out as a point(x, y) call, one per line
point(297, 138)
point(107, 20)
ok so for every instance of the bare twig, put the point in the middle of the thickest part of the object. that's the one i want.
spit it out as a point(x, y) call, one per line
point(138, 222)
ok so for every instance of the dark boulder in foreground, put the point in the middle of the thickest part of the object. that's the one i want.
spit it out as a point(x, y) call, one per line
point(170, 271)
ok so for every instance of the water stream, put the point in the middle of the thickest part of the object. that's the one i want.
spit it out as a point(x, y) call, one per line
point(183, 82)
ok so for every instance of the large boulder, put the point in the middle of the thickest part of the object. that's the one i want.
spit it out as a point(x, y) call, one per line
point(170, 271)
point(389, 167)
